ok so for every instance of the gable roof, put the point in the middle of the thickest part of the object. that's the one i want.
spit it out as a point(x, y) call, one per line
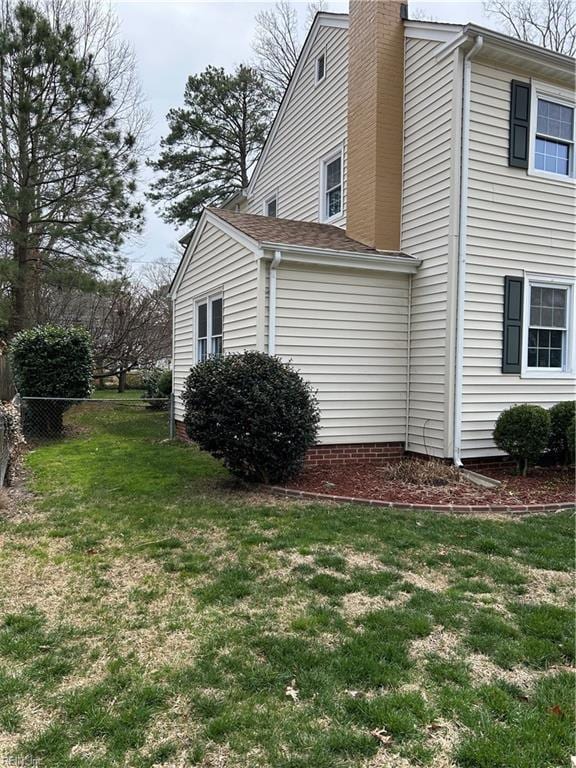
point(266, 230)
point(322, 19)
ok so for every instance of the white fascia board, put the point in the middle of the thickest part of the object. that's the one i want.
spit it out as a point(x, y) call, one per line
point(422, 30)
point(337, 20)
point(321, 20)
point(223, 226)
point(324, 257)
point(496, 41)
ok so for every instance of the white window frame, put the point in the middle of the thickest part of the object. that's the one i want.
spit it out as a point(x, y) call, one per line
point(207, 300)
point(563, 97)
point(552, 281)
point(267, 201)
point(324, 163)
point(319, 80)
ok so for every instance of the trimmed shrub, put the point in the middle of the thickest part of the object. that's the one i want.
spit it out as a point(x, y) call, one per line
point(135, 380)
point(51, 362)
point(561, 416)
point(523, 431)
point(158, 385)
point(254, 412)
point(571, 439)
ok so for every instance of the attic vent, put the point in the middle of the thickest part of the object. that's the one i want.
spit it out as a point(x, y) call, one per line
point(320, 67)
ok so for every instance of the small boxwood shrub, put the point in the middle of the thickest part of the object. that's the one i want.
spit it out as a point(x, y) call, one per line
point(561, 416)
point(51, 362)
point(158, 383)
point(523, 431)
point(254, 412)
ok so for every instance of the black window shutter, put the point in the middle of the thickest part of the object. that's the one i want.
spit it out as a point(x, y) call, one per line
point(513, 303)
point(519, 124)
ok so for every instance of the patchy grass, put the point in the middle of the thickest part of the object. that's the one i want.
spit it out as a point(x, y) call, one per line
point(154, 613)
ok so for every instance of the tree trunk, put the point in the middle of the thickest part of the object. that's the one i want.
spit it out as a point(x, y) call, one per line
point(122, 381)
point(22, 292)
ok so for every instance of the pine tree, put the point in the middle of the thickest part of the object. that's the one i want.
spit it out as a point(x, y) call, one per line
point(69, 131)
point(213, 143)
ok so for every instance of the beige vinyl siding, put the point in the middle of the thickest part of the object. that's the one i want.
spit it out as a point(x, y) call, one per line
point(516, 223)
point(428, 144)
point(313, 124)
point(346, 331)
point(219, 265)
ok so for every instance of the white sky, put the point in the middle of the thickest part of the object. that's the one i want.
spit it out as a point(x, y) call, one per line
point(175, 38)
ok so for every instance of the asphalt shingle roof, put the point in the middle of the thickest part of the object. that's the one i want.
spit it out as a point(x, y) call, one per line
point(305, 234)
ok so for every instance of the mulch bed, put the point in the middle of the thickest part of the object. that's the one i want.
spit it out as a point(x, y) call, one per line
point(548, 485)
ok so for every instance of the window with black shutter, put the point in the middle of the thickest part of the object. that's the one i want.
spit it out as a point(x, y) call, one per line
point(519, 149)
point(512, 348)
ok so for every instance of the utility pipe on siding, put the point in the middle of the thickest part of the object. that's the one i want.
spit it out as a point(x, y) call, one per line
point(272, 303)
point(408, 363)
point(462, 245)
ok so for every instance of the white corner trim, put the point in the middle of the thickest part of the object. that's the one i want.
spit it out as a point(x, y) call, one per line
point(321, 20)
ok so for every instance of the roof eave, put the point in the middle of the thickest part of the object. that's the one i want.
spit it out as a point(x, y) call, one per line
point(528, 51)
point(379, 261)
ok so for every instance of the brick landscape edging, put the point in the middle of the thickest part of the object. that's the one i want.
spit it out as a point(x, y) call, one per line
point(513, 508)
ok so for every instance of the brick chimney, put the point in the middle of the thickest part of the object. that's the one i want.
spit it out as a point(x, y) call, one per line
point(375, 110)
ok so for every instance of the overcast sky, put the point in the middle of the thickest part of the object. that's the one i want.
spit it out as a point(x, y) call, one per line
point(175, 38)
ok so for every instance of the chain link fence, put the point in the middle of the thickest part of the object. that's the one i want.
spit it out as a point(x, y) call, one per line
point(51, 418)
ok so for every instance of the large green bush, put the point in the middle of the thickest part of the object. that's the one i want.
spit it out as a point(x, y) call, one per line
point(523, 431)
point(561, 416)
point(51, 362)
point(252, 411)
point(571, 439)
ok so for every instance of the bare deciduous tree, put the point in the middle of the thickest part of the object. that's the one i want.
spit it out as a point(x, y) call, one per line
point(129, 319)
point(277, 42)
point(549, 23)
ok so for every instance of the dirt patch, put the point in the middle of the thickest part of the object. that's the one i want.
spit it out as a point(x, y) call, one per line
point(440, 641)
point(548, 485)
point(431, 580)
point(356, 604)
point(483, 670)
point(545, 586)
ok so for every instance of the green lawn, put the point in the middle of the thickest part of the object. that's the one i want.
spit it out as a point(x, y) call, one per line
point(153, 613)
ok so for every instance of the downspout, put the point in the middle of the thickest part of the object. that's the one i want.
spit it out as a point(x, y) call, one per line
point(462, 245)
point(408, 363)
point(274, 264)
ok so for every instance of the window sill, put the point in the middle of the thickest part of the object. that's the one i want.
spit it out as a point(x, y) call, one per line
point(548, 374)
point(552, 176)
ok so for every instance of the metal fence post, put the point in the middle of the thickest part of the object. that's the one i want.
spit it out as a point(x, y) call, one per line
point(172, 425)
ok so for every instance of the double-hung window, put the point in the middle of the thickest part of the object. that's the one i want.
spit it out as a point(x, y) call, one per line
point(553, 135)
point(208, 328)
point(549, 325)
point(331, 181)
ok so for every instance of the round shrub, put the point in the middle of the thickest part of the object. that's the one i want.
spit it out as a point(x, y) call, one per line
point(523, 431)
point(252, 411)
point(51, 362)
point(561, 416)
point(158, 388)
